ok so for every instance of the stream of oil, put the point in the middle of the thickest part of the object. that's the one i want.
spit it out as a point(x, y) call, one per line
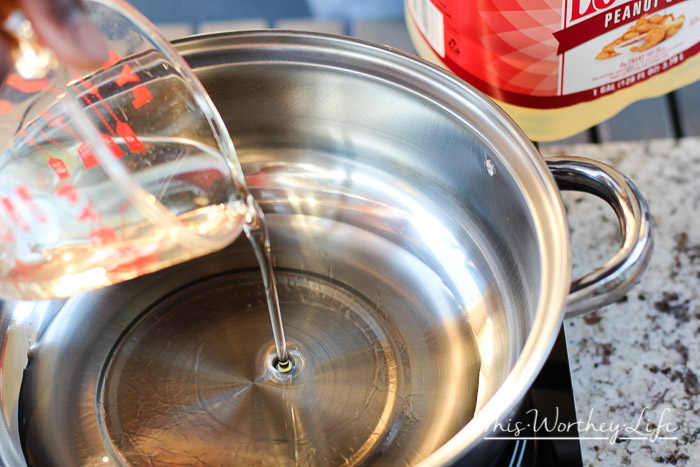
point(259, 237)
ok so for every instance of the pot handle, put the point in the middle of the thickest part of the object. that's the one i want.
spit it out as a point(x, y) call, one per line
point(615, 278)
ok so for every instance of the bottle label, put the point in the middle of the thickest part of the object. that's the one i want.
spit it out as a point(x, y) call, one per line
point(557, 53)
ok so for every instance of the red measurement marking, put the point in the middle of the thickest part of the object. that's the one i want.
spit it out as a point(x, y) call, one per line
point(87, 156)
point(113, 59)
point(89, 87)
point(88, 213)
point(56, 164)
point(14, 215)
point(59, 167)
point(98, 113)
point(52, 141)
point(201, 178)
point(127, 76)
point(5, 107)
point(5, 233)
point(94, 91)
point(58, 121)
point(125, 131)
point(24, 193)
point(104, 234)
point(142, 96)
point(31, 141)
point(141, 264)
point(28, 86)
point(25, 270)
point(114, 147)
point(69, 192)
point(28, 199)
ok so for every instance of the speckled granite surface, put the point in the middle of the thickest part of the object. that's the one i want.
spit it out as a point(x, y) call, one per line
point(636, 363)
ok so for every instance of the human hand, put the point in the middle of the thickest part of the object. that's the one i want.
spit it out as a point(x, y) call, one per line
point(60, 25)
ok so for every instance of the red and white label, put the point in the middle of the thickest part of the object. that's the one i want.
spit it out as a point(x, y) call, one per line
point(430, 22)
point(555, 53)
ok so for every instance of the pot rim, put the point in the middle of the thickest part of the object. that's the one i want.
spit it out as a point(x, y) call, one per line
point(524, 163)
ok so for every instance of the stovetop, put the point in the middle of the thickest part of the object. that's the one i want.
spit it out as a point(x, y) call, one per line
point(549, 401)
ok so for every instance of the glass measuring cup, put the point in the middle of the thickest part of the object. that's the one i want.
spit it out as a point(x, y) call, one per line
point(113, 173)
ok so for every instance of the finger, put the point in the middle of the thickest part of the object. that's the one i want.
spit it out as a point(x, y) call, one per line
point(65, 27)
point(6, 47)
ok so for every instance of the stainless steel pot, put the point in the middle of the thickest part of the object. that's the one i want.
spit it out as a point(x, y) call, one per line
point(424, 268)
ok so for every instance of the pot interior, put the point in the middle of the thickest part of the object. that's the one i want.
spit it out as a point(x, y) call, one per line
point(408, 264)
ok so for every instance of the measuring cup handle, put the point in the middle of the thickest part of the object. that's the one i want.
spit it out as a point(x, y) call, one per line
point(612, 280)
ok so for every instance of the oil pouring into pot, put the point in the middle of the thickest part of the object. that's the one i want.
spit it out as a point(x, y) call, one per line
point(112, 173)
point(116, 172)
point(422, 287)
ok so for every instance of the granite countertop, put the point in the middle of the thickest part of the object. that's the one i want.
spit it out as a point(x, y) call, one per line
point(635, 363)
